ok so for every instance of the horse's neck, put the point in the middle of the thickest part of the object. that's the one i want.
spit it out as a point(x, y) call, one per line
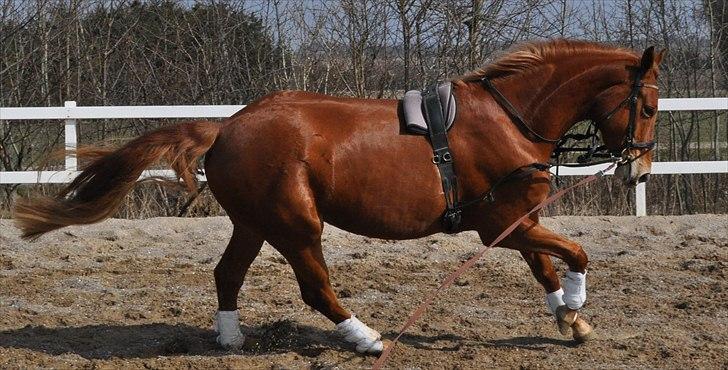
point(553, 100)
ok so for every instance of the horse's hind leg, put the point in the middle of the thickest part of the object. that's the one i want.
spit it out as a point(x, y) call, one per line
point(309, 266)
point(229, 275)
point(294, 228)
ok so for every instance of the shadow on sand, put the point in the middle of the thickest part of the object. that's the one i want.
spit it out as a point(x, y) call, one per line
point(453, 343)
point(152, 340)
point(535, 343)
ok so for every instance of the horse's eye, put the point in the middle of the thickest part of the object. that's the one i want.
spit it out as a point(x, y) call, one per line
point(648, 111)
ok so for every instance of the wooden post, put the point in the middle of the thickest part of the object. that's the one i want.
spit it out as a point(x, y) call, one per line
point(71, 139)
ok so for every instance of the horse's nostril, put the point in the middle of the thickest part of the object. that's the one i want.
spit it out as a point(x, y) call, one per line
point(644, 178)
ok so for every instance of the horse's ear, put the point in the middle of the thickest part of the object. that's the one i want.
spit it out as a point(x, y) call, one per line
point(660, 56)
point(648, 59)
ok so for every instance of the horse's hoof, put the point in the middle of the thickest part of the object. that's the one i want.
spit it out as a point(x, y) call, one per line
point(565, 319)
point(386, 344)
point(582, 331)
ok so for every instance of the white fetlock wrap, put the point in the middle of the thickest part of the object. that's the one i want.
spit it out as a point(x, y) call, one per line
point(554, 300)
point(367, 340)
point(228, 328)
point(574, 284)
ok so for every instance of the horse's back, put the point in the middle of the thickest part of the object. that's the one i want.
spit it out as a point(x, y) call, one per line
point(349, 155)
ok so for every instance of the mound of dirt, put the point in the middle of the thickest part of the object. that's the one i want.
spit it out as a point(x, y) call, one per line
point(140, 293)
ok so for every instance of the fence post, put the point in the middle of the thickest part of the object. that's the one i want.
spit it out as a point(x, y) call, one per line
point(71, 139)
point(640, 199)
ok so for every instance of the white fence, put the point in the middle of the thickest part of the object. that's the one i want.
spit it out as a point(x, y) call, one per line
point(70, 113)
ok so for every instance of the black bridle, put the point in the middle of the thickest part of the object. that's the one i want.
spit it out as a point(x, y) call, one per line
point(593, 150)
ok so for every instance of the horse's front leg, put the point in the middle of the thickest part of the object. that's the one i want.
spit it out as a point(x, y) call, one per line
point(537, 242)
point(545, 273)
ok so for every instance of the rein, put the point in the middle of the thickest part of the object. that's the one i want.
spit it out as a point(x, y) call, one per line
point(382, 360)
point(503, 101)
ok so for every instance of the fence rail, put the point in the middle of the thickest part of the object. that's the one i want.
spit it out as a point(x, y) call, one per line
point(71, 113)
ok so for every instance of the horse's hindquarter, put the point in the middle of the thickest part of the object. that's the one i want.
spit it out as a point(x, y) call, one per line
point(363, 174)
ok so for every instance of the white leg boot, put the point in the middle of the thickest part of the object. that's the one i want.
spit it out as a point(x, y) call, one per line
point(554, 300)
point(367, 340)
point(574, 284)
point(228, 328)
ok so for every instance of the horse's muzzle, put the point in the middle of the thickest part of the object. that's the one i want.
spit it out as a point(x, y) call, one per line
point(635, 172)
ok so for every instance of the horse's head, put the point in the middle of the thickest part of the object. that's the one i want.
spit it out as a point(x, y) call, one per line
point(626, 114)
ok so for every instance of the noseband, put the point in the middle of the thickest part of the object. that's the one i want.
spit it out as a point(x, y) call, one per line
point(621, 156)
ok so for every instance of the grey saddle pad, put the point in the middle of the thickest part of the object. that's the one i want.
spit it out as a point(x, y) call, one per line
point(413, 112)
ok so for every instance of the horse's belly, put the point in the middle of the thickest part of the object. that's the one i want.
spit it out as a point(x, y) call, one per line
point(385, 225)
point(388, 211)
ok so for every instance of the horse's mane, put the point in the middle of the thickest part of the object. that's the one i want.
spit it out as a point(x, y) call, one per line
point(525, 56)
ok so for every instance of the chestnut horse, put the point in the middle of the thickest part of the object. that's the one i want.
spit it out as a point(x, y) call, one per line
point(293, 160)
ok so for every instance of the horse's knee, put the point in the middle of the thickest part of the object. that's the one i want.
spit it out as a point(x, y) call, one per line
point(576, 258)
point(581, 259)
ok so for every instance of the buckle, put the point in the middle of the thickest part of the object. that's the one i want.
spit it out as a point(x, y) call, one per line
point(452, 219)
point(442, 158)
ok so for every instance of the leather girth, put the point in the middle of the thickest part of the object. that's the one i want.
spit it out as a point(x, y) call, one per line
point(442, 157)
